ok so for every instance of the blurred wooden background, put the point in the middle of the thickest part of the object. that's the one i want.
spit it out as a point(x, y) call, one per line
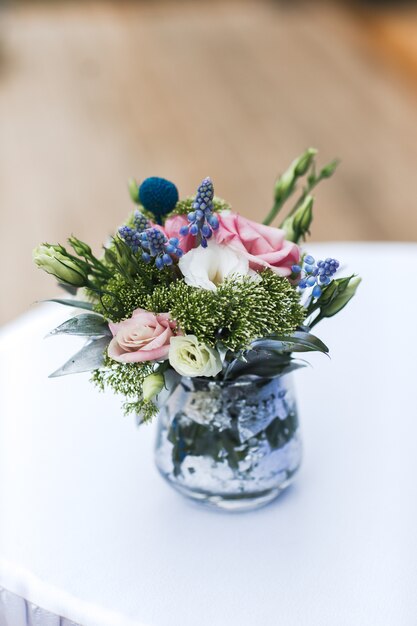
point(92, 93)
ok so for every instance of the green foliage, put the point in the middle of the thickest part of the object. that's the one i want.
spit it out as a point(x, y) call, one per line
point(239, 311)
point(122, 297)
point(131, 283)
point(333, 299)
point(127, 379)
point(286, 185)
point(257, 309)
point(185, 206)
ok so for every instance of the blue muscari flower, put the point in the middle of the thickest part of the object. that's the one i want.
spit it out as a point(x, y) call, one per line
point(140, 221)
point(316, 275)
point(316, 291)
point(131, 237)
point(202, 219)
point(155, 245)
point(152, 241)
point(159, 196)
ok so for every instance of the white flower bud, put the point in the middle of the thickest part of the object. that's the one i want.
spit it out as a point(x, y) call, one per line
point(152, 385)
point(51, 260)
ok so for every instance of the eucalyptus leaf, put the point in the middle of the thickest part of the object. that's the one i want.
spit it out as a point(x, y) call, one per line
point(90, 357)
point(85, 324)
point(76, 304)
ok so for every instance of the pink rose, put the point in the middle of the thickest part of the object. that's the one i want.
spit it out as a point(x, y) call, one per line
point(143, 337)
point(263, 246)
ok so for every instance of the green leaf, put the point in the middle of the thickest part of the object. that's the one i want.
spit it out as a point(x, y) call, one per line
point(76, 304)
point(261, 364)
point(85, 324)
point(299, 341)
point(89, 358)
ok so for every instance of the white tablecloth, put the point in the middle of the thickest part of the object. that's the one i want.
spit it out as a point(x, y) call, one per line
point(90, 532)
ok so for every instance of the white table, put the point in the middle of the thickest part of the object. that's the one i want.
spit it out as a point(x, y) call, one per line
point(90, 532)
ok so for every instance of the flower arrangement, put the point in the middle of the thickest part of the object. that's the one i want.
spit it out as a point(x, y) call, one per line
point(189, 288)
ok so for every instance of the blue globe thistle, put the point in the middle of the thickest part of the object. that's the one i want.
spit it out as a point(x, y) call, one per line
point(156, 245)
point(203, 222)
point(159, 196)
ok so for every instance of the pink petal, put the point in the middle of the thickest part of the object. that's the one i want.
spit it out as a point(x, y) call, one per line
point(159, 340)
point(114, 350)
point(144, 355)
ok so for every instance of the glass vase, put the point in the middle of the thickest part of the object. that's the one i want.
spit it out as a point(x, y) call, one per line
point(232, 445)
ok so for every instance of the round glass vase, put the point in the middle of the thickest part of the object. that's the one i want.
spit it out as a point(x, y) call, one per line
point(231, 445)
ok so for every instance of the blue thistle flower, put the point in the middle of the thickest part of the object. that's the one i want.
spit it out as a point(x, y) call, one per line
point(203, 222)
point(155, 245)
point(159, 196)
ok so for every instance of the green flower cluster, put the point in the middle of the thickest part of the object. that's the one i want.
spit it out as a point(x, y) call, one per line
point(127, 379)
point(121, 296)
point(239, 311)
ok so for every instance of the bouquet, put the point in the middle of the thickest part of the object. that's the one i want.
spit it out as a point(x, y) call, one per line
point(189, 288)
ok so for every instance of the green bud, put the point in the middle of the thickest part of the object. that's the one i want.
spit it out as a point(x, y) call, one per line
point(331, 291)
point(303, 217)
point(80, 248)
point(342, 298)
point(58, 248)
point(297, 225)
point(133, 190)
point(284, 185)
point(329, 169)
point(302, 164)
point(52, 260)
point(152, 385)
point(288, 227)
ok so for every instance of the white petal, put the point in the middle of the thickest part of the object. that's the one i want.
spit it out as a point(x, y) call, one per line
point(207, 267)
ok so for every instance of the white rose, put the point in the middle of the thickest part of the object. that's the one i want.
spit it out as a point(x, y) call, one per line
point(207, 267)
point(189, 357)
